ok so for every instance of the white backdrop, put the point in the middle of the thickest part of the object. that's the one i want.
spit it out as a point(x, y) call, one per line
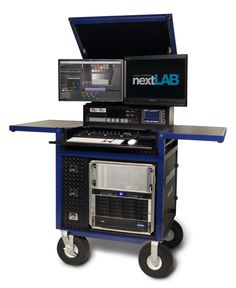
point(34, 34)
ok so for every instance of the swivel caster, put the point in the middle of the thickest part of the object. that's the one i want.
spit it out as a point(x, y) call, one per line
point(155, 260)
point(73, 250)
point(175, 236)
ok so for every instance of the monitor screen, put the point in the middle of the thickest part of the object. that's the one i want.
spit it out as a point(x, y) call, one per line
point(91, 80)
point(156, 80)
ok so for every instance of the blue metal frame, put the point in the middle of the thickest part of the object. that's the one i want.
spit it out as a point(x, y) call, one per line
point(60, 152)
point(160, 188)
point(115, 236)
point(124, 19)
point(159, 159)
point(58, 181)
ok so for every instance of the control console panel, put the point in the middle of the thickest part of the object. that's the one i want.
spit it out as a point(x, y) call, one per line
point(121, 115)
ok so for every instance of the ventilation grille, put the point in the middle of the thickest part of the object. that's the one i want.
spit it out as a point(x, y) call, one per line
point(75, 190)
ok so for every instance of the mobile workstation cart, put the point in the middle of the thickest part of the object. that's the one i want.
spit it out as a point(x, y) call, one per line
point(116, 172)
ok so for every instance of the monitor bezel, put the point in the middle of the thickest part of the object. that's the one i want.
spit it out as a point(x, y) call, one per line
point(157, 102)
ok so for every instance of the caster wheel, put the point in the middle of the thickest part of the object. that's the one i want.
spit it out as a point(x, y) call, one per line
point(165, 261)
point(175, 236)
point(81, 251)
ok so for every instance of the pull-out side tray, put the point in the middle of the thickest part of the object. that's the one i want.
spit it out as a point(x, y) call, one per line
point(202, 133)
point(46, 126)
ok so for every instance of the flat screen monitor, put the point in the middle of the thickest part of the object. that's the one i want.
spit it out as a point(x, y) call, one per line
point(91, 80)
point(156, 80)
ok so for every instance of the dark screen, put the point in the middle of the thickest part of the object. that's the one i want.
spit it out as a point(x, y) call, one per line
point(117, 40)
point(158, 81)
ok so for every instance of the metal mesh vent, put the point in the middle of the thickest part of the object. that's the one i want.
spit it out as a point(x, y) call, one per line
point(75, 192)
point(122, 208)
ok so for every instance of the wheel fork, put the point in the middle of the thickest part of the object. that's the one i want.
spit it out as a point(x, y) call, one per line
point(68, 240)
point(155, 259)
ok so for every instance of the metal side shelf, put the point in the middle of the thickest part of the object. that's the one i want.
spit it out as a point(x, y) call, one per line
point(46, 126)
point(201, 133)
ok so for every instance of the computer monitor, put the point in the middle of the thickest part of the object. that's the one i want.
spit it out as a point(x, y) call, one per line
point(91, 80)
point(156, 80)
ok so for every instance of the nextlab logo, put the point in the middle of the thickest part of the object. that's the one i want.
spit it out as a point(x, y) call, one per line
point(156, 79)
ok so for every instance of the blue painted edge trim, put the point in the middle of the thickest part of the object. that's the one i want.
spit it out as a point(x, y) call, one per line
point(107, 236)
point(172, 34)
point(119, 19)
point(14, 128)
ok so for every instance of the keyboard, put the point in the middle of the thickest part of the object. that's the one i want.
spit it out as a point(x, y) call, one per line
point(96, 140)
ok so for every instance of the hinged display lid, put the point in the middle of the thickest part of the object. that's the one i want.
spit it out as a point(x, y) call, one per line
point(116, 37)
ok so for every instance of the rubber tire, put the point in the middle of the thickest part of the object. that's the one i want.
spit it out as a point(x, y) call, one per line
point(178, 236)
point(83, 247)
point(166, 257)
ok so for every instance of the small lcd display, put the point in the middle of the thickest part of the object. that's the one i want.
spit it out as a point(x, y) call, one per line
point(156, 80)
point(151, 116)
